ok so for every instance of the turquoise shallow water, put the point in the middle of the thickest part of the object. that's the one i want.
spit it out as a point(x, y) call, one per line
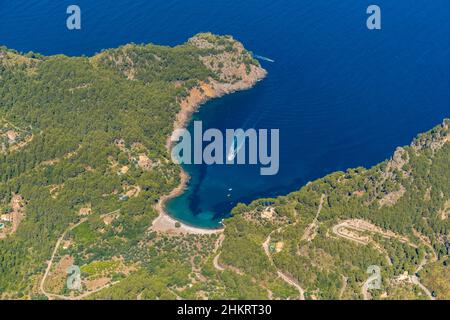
point(342, 96)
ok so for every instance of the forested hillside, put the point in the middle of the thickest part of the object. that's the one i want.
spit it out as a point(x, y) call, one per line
point(84, 160)
point(319, 242)
point(324, 237)
point(82, 137)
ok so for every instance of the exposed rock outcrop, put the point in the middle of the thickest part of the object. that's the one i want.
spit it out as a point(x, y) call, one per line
point(234, 69)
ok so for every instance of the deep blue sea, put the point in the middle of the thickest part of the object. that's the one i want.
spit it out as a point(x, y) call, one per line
point(341, 95)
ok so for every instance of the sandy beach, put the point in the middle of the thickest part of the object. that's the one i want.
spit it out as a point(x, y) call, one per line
point(165, 223)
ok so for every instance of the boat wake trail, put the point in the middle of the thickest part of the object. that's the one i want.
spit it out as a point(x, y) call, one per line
point(263, 58)
point(237, 145)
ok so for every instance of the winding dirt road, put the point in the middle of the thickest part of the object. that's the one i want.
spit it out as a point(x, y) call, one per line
point(344, 286)
point(51, 296)
point(310, 232)
point(50, 262)
point(285, 277)
point(365, 287)
point(308, 235)
point(339, 230)
point(216, 258)
point(415, 279)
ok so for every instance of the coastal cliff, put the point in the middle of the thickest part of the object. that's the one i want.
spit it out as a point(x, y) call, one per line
point(233, 69)
point(89, 180)
point(92, 133)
